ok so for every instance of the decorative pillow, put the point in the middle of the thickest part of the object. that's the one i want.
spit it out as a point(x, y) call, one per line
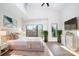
point(6, 38)
point(14, 35)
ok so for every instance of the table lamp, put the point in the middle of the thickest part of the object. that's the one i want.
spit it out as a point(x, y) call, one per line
point(2, 33)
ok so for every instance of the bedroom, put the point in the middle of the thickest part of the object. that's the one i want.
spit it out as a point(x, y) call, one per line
point(26, 23)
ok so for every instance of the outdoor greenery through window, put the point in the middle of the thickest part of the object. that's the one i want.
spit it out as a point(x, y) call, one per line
point(54, 29)
point(34, 30)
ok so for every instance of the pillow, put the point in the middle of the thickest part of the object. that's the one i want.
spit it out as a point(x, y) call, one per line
point(14, 35)
point(6, 38)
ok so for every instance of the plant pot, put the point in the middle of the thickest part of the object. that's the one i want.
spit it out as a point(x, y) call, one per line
point(45, 40)
point(59, 39)
point(45, 33)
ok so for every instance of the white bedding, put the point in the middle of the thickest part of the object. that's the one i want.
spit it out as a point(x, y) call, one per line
point(27, 39)
point(25, 43)
point(24, 39)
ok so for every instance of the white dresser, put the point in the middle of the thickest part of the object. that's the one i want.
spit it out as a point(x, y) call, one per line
point(71, 40)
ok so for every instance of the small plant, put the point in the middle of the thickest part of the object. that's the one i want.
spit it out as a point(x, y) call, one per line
point(45, 34)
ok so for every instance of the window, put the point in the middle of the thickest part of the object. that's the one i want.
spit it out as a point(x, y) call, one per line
point(54, 29)
point(34, 30)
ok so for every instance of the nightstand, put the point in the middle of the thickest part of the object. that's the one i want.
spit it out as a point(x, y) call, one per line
point(4, 48)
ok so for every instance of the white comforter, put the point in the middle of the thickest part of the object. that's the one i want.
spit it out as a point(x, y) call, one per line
point(27, 43)
point(27, 39)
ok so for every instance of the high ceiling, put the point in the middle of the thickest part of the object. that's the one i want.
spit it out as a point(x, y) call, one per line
point(55, 6)
point(12, 9)
point(22, 9)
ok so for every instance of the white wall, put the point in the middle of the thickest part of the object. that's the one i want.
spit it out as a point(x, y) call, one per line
point(70, 11)
point(1, 17)
point(40, 13)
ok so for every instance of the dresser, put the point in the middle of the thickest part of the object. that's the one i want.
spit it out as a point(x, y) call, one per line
point(71, 39)
point(71, 33)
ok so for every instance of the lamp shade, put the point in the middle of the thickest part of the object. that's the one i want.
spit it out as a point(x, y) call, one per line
point(1, 34)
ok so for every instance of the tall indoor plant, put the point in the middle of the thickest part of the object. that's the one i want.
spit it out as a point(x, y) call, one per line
point(45, 34)
point(59, 32)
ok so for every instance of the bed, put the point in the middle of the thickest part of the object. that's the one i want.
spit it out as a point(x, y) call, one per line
point(27, 43)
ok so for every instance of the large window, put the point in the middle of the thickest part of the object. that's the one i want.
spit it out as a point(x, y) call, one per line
point(34, 30)
point(54, 29)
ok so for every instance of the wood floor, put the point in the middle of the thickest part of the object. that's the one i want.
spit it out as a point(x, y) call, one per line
point(57, 50)
point(54, 47)
point(46, 52)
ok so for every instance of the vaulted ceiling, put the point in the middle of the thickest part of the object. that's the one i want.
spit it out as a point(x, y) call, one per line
point(54, 6)
point(20, 9)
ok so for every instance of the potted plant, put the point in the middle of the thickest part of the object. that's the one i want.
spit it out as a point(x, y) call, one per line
point(45, 34)
point(59, 32)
